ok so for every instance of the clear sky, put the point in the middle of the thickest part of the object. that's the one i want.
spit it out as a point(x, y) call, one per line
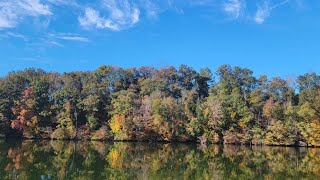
point(272, 37)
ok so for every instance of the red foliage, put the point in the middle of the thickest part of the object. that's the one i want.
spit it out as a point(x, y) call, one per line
point(22, 110)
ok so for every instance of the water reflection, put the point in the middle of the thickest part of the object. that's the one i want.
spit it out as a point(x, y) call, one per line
point(102, 160)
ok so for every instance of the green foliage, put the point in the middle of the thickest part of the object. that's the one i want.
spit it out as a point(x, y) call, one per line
point(279, 134)
point(123, 102)
point(92, 122)
point(148, 86)
point(65, 119)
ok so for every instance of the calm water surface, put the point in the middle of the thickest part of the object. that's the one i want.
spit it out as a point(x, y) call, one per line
point(101, 160)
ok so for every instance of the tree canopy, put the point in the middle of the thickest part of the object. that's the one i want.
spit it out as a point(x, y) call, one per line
point(229, 105)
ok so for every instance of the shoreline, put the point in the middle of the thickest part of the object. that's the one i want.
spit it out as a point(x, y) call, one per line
point(163, 142)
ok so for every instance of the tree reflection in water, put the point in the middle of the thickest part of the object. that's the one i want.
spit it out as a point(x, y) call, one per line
point(122, 160)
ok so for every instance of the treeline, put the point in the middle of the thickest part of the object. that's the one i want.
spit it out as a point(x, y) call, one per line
point(147, 104)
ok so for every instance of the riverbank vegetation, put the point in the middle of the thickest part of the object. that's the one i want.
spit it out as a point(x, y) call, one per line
point(230, 105)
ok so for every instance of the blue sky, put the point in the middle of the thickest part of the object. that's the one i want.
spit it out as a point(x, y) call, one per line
point(272, 37)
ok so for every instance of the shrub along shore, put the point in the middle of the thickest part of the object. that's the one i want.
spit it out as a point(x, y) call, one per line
point(229, 106)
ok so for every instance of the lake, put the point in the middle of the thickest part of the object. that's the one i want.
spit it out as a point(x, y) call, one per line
point(126, 160)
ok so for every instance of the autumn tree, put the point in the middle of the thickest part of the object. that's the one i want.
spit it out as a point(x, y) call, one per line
point(25, 111)
point(213, 125)
point(123, 111)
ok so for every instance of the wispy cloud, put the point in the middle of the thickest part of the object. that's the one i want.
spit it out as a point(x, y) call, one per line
point(117, 15)
point(14, 11)
point(33, 7)
point(49, 42)
point(151, 8)
point(121, 15)
point(234, 8)
point(67, 37)
point(7, 15)
point(63, 2)
point(91, 18)
point(28, 59)
point(264, 11)
point(75, 38)
point(14, 35)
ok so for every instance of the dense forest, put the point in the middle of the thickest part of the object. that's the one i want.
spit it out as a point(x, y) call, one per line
point(230, 105)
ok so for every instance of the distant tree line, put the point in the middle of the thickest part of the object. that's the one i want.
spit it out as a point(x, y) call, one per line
point(168, 104)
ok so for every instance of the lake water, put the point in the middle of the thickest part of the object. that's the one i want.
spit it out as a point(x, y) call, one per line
point(126, 160)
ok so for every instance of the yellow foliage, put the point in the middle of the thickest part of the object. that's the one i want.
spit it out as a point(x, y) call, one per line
point(157, 121)
point(311, 132)
point(233, 115)
point(155, 165)
point(206, 112)
point(117, 122)
point(114, 158)
point(315, 133)
point(306, 111)
point(242, 123)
